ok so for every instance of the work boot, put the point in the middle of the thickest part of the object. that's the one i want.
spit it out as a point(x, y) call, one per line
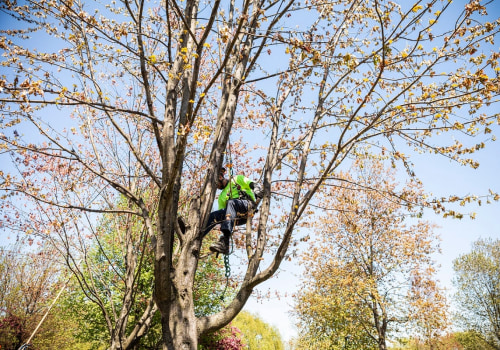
point(220, 247)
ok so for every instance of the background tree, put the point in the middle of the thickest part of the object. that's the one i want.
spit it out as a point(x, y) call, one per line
point(472, 340)
point(478, 289)
point(469, 340)
point(98, 297)
point(28, 284)
point(111, 296)
point(77, 320)
point(256, 333)
point(370, 272)
point(139, 100)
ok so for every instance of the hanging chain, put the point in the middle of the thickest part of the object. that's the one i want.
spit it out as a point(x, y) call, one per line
point(228, 274)
point(228, 268)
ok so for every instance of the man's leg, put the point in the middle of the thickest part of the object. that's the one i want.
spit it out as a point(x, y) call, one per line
point(234, 207)
point(215, 218)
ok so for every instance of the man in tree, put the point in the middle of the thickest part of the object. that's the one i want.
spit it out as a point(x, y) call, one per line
point(235, 201)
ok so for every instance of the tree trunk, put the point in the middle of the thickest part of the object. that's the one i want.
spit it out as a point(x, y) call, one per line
point(174, 286)
point(182, 321)
point(178, 319)
point(163, 273)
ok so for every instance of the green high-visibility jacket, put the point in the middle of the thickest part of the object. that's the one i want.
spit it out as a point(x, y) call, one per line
point(231, 190)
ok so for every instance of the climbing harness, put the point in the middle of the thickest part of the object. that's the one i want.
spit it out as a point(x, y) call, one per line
point(241, 194)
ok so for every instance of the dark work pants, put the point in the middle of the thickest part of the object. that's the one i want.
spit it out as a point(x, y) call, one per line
point(233, 208)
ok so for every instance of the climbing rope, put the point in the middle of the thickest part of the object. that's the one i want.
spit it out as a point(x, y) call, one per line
point(28, 343)
point(226, 257)
point(230, 157)
point(230, 166)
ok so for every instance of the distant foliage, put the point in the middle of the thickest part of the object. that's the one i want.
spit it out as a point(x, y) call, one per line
point(28, 284)
point(257, 333)
point(478, 290)
point(227, 338)
point(369, 273)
